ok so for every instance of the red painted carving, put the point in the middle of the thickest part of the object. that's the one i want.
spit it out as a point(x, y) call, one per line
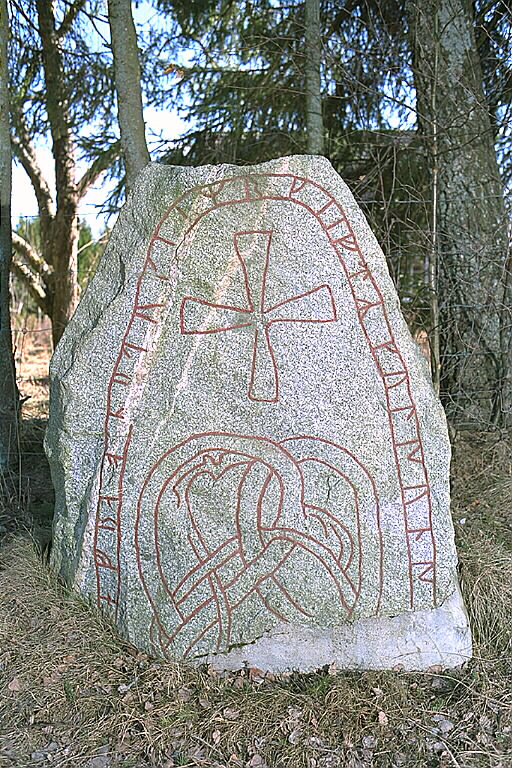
point(216, 318)
point(389, 364)
point(270, 525)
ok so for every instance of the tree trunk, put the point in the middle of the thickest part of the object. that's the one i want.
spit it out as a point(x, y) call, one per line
point(64, 284)
point(127, 78)
point(474, 299)
point(63, 231)
point(314, 119)
point(9, 399)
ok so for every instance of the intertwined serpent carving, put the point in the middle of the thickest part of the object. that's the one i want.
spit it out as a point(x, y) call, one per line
point(245, 514)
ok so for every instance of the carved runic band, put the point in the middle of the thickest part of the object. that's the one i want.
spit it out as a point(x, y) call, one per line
point(198, 316)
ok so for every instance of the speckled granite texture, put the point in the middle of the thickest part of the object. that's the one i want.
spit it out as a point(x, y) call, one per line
point(250, 463)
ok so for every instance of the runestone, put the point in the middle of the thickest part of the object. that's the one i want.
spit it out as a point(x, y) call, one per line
point(250, 463)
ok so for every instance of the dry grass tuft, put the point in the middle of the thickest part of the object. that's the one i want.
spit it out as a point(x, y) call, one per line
point(482, 509)
point(486, 568)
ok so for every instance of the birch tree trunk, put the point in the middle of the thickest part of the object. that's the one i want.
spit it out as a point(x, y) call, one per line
point(314, 119)
point(9, 400)
point(127, 79)
point(474, 270)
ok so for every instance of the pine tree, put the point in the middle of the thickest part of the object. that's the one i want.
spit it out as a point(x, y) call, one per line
point(59, 85)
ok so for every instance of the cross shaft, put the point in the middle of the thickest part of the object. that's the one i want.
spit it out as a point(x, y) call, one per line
point(199, 317)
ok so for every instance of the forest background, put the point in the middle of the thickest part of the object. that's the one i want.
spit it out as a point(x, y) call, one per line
point(411, 102)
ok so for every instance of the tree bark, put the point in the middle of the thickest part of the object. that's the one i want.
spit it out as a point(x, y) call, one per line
point(314, 119)
point(9, 397)
point(127, 79)
point(63, 232)
point(31, 266)
point(473, 276)
point(50, 273)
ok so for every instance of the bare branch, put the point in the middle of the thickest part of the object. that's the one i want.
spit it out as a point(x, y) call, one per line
point(69, 17)
point(29, 253)
point(100, 164)
point(31, 283)
point(102, 239)
point(25, 153)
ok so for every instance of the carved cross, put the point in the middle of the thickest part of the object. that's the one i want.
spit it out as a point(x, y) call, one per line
point(203, 317)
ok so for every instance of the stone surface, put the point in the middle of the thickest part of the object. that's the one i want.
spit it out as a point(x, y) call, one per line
point(249, 460)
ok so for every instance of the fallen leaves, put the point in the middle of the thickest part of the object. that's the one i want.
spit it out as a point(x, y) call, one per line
point(444, 725)
point(256, 674)
point(14, 685)
point(184, 695)
point(229, 713)
point(295, 736)
point(256, 761)
point(382, 718)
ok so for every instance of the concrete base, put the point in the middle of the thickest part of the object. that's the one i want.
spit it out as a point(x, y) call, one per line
point(413, 641)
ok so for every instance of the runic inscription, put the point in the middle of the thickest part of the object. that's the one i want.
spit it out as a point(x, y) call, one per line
point(254, 264)
point(197, 316)
point(236, 489)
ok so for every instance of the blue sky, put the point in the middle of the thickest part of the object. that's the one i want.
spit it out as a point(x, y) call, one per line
point(24, 203)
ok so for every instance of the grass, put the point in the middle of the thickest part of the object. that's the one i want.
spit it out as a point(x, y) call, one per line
point(70, 687)
point(73, 694)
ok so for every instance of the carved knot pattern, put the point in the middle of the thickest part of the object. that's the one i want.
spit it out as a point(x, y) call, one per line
point(236, 519)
